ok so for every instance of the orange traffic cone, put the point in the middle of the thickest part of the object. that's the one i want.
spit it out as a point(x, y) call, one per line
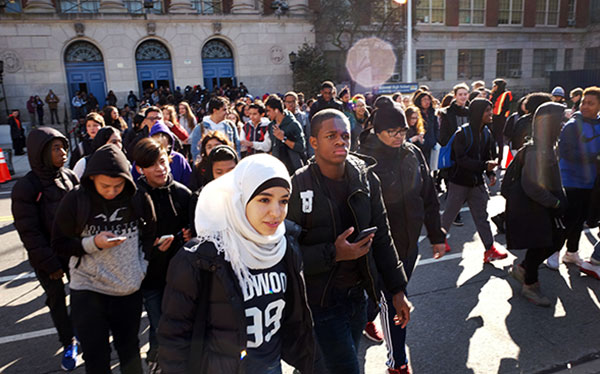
point(509, 158)
point(4, 173)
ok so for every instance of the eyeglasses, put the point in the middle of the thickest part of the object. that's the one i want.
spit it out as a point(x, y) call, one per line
point(394, 133)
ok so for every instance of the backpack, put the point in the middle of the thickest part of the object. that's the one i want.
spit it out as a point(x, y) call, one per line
point(512, 176)
point(445, 159)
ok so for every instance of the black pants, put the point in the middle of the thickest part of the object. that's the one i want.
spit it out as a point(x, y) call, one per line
point(53, 116)
point(577, 212)
point(535, 256)
point(56, 301)
point(95, 316)
point(498, 132)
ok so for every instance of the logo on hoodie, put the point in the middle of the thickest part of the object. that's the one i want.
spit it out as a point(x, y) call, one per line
point(112, 218)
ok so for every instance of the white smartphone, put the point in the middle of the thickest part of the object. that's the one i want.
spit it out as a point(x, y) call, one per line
point(116, 239)
point(163, 238)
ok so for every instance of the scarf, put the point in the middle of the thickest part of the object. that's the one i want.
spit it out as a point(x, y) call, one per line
point(221, 217)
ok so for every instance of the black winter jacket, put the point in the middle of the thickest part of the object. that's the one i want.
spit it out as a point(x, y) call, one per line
point(408, 193)
point(319, 230)
point(203, 325)
point(472, 149)
point(171, 204)
point(521, 131)
point(448, 121)
point(530, 217)
point(34, 210)
point(321, 104)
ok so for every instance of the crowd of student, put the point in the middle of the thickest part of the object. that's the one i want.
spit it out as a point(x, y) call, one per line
point(239, 266)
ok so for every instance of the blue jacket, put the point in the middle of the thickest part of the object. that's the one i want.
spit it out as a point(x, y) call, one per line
point(579, 145)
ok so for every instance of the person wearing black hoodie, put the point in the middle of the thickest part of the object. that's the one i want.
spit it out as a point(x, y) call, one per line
point(171, 201)
point(34, 201)
point(325, 100)
point(410, 200)
point(107, 227)
point(473, 151)
point(535, 208)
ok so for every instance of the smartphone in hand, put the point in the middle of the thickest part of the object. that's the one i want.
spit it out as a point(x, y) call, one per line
point(364, 233)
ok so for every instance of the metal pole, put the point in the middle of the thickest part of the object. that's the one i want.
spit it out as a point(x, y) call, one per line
point(409, 54)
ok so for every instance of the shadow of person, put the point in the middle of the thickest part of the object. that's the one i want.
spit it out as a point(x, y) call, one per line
point(564, 332)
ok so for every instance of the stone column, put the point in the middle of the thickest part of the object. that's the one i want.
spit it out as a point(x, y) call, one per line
point(39, 6)
point(244, 6)
point(112, 6)
point(181, 6)
point(298, 6)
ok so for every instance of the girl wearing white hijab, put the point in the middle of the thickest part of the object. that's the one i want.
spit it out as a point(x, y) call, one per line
point(235, 298)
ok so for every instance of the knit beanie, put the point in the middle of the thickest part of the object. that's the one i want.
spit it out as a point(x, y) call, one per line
point(389, 115)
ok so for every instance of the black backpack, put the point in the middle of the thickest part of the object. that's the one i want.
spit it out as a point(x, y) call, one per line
point(512, 176)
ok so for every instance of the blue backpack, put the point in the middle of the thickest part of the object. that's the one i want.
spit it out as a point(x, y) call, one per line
point(445, 158)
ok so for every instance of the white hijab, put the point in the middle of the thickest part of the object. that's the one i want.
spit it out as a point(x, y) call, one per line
point(221, 216)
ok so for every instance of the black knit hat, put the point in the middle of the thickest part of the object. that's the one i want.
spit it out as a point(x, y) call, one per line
point(389, 115)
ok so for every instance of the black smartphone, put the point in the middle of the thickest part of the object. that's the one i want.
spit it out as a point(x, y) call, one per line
point(364, 233)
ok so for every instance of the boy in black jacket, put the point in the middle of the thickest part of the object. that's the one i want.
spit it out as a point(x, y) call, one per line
point(473, 150)
point(34, 201)
point(171, 201)
point(107, 227)
point(333, 199)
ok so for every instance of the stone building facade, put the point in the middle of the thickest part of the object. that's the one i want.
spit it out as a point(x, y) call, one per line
point(102, 45)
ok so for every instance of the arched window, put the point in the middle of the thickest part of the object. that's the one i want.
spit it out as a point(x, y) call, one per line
point(216, 49)
point(152, 50)
point(82, 52)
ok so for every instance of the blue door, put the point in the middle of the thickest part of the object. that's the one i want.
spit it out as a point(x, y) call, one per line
point(88, 77)
point(154, 74)
point(217, 64)
point(153, 62)
point(218, 72)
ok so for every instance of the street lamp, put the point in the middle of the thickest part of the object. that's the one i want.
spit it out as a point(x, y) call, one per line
point(409, 61)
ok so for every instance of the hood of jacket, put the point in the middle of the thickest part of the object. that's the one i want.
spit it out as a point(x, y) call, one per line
point(476, 109)
point(547, 124)
point(37, 141)
point(108, 160)
point(160, 127)
point(102, 137)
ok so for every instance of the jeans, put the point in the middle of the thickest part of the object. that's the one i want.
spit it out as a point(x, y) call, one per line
point(477, 198)
point(338, 329)
point(152, 304)
point(55, 300)
point(95, 316)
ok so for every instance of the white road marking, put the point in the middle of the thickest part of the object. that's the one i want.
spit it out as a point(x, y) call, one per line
point(36, 334)
point(10, 278)
point(27, 335)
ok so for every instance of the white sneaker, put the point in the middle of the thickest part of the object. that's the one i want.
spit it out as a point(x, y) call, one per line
point(590, 269)
point(572, 258)
point(553, 262)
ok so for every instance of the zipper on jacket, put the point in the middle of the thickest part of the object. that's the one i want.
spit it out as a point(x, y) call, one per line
point(316, 178)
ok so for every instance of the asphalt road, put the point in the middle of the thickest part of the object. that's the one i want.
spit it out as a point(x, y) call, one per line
point(468, 317)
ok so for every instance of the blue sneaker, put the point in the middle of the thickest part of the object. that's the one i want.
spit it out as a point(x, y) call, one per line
point(69, 360)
